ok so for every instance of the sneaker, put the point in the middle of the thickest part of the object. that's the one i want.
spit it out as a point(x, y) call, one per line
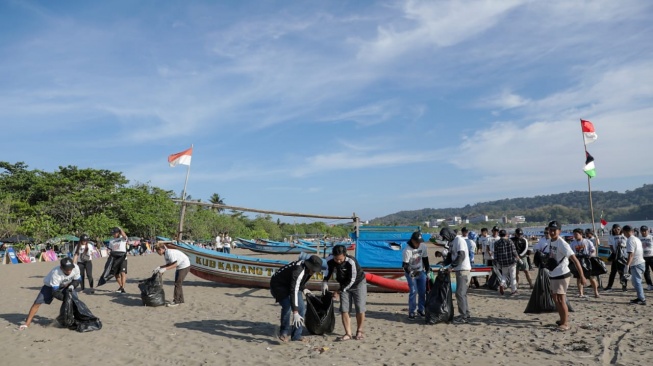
point(120, 290)
point(607, 289)
point(411, 316)
point(172, 304)
point(420, 313)
point(91, 291)
point(460, 320)
point(624, 288)
point(501, 290)
point(649, 288)
point(514, 293)
point(637, 302)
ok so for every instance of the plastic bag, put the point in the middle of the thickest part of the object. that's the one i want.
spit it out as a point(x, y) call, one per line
point(585, 264)
point(541, 300)
point(439, 301)
point(66, 312)
point(74, 314)
point(152, 292)
point(320, 318)
point(598, 267)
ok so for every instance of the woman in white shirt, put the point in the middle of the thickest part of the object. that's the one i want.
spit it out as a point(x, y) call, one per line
point(584, 248)
point(84, 259)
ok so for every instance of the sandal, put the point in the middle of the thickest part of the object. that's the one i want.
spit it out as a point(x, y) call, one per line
point(346, 337)
point(563, 328)
point(23, 327)
point(283, 339)
point(359, 335)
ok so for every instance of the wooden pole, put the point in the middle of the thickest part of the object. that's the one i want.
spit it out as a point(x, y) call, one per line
point(183, 205)
point(589, 189)
point(278, 213)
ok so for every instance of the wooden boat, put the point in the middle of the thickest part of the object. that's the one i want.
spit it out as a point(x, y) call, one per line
point(271, 247)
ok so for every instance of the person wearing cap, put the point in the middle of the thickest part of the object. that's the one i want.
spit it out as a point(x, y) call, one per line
point(83, 258)
point(174, 259)
point(647, 246)
point(287, 285)
point(62, 277)
point(560, 254)
point(490, 245)
point(506, 259)
point(584, 248)
point(636, 264)
point(118, 246)
point(541, 248)
point(352, 291)
point(617, 243)
point(462, 267)
point(471, 249)
point(415, 265)
point(521, 244)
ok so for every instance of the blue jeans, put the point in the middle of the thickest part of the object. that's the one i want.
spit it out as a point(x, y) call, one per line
point(416, 286)
point(226, 250)
point(286, 314)
point(636, 273)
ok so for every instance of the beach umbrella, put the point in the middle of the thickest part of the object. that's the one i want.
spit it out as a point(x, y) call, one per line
point(61, 238)
point(17, 239)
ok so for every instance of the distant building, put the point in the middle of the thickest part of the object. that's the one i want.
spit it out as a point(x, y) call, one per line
point(456, 220)
point(479, 218)
point(518, 220)
point(436, 222)
point(427, 223)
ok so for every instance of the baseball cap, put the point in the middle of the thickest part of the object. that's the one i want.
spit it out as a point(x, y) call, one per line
point(115, 230)
point(643, 228)
point(553, 225)
point(417, 236)
point(502, 233)
point(495, 228)
point(314, 263)
point(67, 263)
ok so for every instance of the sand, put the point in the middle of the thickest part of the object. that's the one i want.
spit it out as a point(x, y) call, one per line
point(225, 325)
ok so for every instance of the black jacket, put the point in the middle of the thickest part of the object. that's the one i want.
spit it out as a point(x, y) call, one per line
point(289, 280)
point(348, 274)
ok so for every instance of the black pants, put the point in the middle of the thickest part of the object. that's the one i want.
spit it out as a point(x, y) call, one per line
point(86, 268)
point(648, 264)
point(614, 268)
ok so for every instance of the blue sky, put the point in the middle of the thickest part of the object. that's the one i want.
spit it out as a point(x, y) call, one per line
point(333, 107)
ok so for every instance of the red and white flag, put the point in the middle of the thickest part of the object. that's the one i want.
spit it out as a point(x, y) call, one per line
point(588, 131)
point(182, 158)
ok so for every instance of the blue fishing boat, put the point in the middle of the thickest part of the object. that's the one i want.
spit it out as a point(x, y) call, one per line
point(271, 247)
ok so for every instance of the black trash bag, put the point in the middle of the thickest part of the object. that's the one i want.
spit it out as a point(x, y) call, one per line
point(152, 292)
point(585, 264)
point(74, 314)
point(106, 273)
point(320, 317)
point(541, 300)
point(598, 267)
point(494, 281)
point(439, 301)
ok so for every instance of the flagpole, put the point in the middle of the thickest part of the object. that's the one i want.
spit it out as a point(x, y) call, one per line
point(183, 205)
point(589, 188)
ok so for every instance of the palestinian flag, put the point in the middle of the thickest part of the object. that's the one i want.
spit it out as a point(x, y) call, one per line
point(589, 135)
point(589, 166)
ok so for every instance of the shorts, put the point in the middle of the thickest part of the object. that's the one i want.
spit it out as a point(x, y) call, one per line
point(45, 295)
point(119, 264)
point(559, 286)
point(356, 296)
point(523, 266)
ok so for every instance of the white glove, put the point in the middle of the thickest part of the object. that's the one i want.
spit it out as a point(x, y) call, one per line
point(325, 287)
point(626, 270)
point(307, 292)
point(297, 321)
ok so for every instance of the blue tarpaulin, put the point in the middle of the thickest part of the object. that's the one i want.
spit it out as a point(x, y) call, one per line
point(383, 246)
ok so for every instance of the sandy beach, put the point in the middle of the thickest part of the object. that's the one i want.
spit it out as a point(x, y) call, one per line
point(225, 325)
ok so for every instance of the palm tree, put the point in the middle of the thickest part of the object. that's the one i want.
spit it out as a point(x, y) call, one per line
point(216, 200)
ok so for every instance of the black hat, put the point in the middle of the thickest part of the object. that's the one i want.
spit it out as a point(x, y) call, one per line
point(67, 263)
point(495, 228)
point(84, 237)
point(519, 231)
point(115, 230)
point(314, 263)
point(502, 233)
point(417, 236)
point(643, 228)
point(553, 225)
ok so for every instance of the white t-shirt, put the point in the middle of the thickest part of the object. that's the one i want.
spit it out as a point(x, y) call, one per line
point(82, 248)
point(414, 257)
point(490, 245)
point(460, 245)
point(561, 251)
point(174, 255)
point(227, 241)
point(483, 243)
point(542, 246)
point(647, 245)
point(218, 242)
point(634, 245)
point(56, 278)
point(615, 240)
point(118, 245)
point(583, 247)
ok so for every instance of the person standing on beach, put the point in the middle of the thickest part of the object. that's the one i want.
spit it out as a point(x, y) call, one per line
point(462, 267)
point(84, 259)
point(353, 289)
point(61, 277)
point(506, 259)
point(227, 243)
point(490, 245)
point(471, 249)
point(482, 243)
point(415, 265)
point(287, 286)
point(174, 259)
point(521, 244)
point(647, 246)
point(219, 246)
point(118, 246)
point(617, 243)
point(560, 253)
point(583, 248)
point(635, 265)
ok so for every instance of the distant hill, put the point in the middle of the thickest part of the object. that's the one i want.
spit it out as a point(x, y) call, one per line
point(571, 207)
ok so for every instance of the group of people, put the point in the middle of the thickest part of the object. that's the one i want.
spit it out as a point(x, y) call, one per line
point(223, 242)
point(72, 273)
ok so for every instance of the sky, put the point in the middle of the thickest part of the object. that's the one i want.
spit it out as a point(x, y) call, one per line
point(333, 107)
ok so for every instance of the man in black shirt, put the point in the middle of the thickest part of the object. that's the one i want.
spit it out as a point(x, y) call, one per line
point(287, 285)
point(353, 288)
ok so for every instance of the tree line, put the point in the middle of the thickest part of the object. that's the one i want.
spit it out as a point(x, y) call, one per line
point(72, 200)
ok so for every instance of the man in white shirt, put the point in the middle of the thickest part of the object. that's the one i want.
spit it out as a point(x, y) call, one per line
point(218, 243)
point(118, 246)
point(635, 265)
point(63, 277)
point(462, 268)
point(415, 265)
point(490, 245)
point(647, 246)
point(174, 259)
